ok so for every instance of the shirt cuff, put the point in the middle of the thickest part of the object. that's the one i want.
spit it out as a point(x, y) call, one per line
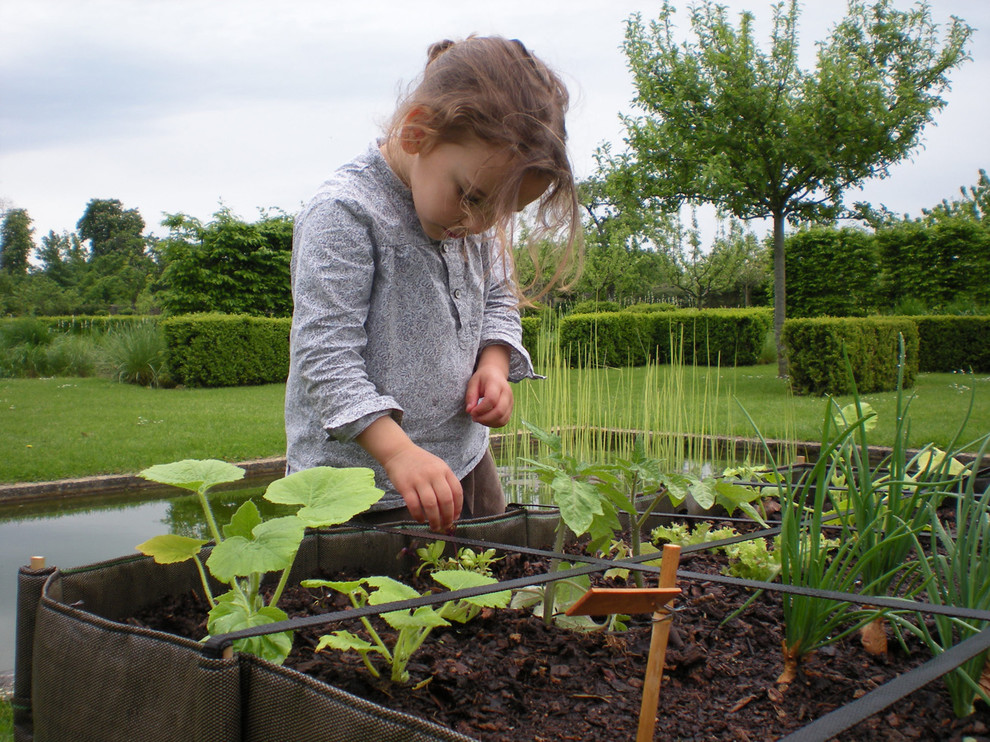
point(351, 430)
point(520, 364)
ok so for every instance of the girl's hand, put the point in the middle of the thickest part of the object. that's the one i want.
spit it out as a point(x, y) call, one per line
point(489, 399)
point(430, 490)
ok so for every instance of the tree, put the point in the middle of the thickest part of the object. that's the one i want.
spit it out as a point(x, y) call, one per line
point(62, 257)
point(16, 242)
point(227, 265)
point(702, 275)
point(111, 229)
point(726, 123)
point(974, 204)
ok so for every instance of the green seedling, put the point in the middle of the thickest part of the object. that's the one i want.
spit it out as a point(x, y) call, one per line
point(413, 626)
point(565, 592)
point(249, 548)
point(590, 498)
point(467, 559)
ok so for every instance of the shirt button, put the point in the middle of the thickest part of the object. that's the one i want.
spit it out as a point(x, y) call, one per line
point(457, 293)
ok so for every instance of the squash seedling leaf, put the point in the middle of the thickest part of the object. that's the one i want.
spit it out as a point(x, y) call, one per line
point(329, 496)
point(230, 615)
point(272, 546)
point(194, 474)
point(342, 587)
point(388, 590)
point(169, 548)
point(243, 521)
point(344, 641)
point(459, 579)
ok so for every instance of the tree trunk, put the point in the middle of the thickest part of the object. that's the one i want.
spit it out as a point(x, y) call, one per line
point(779, 292)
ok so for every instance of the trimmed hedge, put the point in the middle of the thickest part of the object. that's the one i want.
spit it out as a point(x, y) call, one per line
point(227, 350)
point(814, 353)
point(707, 337)
point(949, 343)
point(531, 333)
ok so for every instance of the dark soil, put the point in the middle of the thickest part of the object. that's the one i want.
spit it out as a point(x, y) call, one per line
point(507, 676)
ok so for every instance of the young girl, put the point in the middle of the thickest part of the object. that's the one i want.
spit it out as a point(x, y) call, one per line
point(405, 331)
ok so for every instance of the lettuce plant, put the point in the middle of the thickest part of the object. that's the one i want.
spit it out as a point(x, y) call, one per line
point(412, 626)
point(248, 548)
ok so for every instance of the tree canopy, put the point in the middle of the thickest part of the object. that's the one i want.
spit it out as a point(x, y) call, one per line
point(16, 242)
point(725, 122)
point(111, 229)
point(227, 265)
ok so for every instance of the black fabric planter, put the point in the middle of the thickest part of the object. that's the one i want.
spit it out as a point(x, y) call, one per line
point(82, 674)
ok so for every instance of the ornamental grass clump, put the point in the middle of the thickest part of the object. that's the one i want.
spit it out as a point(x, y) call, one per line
point(247, 549)
point(136, 354)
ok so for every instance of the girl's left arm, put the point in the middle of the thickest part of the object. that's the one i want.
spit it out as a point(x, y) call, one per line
point(500, 325)
point(489, 398)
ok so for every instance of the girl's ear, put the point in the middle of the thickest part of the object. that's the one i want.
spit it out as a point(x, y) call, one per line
point(412, 135)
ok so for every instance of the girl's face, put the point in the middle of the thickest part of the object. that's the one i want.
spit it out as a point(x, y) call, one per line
point(451, 183)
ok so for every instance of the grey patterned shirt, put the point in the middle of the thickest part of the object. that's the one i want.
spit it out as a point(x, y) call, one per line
point(387, 321)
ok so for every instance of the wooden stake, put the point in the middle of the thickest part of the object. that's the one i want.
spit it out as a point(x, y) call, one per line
point(37, 563)
point(658, 649)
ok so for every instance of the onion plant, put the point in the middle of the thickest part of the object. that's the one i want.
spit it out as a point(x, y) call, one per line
point(809, 559)
point(957, 573)
point(887, 505)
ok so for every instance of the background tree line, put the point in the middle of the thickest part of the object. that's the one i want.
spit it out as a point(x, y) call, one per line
point(936, 263)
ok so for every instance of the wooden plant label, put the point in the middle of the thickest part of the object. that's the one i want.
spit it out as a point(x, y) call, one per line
point(600, 601)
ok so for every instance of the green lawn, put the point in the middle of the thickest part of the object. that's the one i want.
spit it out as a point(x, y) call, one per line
point(70, 427)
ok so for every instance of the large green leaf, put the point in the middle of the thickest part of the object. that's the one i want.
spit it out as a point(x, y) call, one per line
point(272, 546)
point(579, 502)
point(230, 614)
point(169, 548)
point(459, 579)
point(329, 496)
point(197, 475)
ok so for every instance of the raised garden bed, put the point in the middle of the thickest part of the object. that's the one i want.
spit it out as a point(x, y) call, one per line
point(100, 656)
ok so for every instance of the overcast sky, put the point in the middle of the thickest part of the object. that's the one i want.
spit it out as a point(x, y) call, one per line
point(179, 105)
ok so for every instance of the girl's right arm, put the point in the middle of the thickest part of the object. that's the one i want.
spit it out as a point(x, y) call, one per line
point(430, 490)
